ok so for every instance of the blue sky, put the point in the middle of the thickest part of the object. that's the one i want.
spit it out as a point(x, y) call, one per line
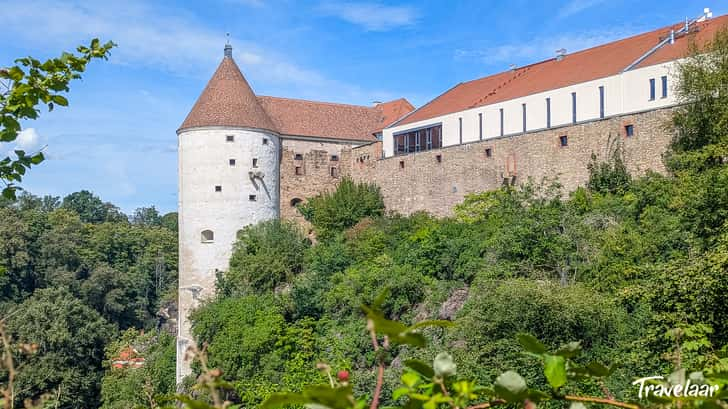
point(118, 138)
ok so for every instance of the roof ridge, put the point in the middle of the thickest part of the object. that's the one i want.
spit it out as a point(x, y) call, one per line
point(315, 102)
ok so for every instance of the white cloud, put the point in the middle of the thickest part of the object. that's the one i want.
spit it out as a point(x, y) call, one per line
point(577, 6)
point(180, 44)
point(543, 48)
point(371, 16)
point(28, 140)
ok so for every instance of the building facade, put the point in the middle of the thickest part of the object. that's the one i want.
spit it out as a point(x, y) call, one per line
point(245, 158)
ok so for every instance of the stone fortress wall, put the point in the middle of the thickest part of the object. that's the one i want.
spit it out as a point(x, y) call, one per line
point(437, 180)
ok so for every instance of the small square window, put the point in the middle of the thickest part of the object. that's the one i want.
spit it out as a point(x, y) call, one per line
point(334, 158)
point(488, 152)
point(255, 162)
point(564, 140)
point(232, 162)
point(218, 188)
point(299, 170)
point(628, 130)
point(230, 138)
point(298, 156)
point(401, 164)
point(252, 198)
point(265, 141)
point(334, 172)
point(438, 158)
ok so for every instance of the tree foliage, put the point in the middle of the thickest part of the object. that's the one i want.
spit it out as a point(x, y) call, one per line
point(332, 212)
point(27, 85)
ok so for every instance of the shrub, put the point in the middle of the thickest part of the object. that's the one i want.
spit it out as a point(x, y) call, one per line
point(333, 212)
point(266, 254)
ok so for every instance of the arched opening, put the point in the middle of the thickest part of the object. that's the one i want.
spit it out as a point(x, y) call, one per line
point(208, 236)
point(295, 202)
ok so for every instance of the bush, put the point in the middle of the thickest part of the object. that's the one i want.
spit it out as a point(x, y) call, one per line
point(333, 212)
point(266, 254)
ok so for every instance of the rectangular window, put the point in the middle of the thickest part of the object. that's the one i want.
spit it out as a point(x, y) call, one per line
point(334, 172)
point(438, 158)
point(523, 107)
point(232, 162)
point(230, 138)
point(628, 130)
point(488, 152)
point(419, 140)
point(265, 141)
point(548, 112)
point(218, 188)
point(601, 102)
point(255, 162)
point(298, 156)
point(664, 86)
point(252, 198)
point(652, 89)
point(573, 107)
point(480, 126)
point(334, 158)
point(460, 125)
point(299, 170)
point(401, 164)
point(563, 140)
point(501, 122)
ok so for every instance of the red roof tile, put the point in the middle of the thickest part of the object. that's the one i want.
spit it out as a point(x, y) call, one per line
point(593, 63)
point(393, 110)
point(297, 117)
point(228, 100)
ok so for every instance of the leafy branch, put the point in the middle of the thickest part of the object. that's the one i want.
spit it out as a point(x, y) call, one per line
point(29, 84)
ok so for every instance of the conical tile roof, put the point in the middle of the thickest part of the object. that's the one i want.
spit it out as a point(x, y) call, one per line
point(228, 100)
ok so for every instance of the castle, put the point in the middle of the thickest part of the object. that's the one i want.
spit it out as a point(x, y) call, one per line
point(245, 158)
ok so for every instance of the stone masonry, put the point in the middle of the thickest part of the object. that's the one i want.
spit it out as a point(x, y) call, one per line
point(435, 181)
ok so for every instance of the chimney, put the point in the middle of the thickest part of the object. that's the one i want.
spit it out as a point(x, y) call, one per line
point(560, 53)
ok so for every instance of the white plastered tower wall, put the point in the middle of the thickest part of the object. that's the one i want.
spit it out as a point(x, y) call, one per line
point(229, 154)
point(249, 193)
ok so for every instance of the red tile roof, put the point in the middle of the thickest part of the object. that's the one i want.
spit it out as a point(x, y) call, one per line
point(593, 63)
point(228, 100)
point(392, 111)
point(297, 117)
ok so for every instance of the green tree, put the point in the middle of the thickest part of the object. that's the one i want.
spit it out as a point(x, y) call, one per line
point(27, 85)
point(333, 212)
point(70, 338)
point(131, 387)
point(266, 254)
point(146, 216)
point(170, 221)
point(91, 209)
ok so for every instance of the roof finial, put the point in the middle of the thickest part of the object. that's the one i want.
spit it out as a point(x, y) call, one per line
point(228, 47)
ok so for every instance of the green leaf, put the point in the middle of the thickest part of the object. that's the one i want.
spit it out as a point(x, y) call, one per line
point(399, 392)
point(60, 100)
point(420, 367)
point(531, 344)
point(37, 158)
point(15, 73)
point(444, 365)
point(410, 378)
point(511, 386)
point(555, 370)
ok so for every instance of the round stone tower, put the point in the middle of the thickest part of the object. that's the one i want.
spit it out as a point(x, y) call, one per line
point(229, 155)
